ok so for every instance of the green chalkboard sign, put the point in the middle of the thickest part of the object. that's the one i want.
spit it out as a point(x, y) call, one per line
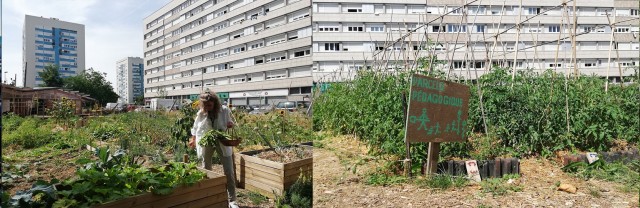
point(437, 110)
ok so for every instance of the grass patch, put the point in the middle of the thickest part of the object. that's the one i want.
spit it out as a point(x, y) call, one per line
point(254, 197)
point(500, 186)
point(300, 195)
point(378, 179)
point(628, 175)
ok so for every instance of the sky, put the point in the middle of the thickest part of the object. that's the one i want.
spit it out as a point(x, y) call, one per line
point(113, 29)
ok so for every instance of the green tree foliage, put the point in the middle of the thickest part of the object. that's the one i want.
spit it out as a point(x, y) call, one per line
point(94, 84)
point(51, 76)
point(138, 100)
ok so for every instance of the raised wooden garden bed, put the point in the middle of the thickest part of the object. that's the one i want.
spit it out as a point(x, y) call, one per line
point(210, 192)
point(267, 177)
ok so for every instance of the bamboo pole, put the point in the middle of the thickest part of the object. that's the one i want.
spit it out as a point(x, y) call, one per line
point(515, 58)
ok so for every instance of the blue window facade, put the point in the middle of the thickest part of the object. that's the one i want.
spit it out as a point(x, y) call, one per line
point(59, 47)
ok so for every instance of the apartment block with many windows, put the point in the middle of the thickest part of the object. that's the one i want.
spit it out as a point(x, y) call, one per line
point(130, 79)
point(248, 51)
point(350, 35)
point(51, 41)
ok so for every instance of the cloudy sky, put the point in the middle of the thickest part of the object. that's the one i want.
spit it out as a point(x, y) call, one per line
point(113, 29)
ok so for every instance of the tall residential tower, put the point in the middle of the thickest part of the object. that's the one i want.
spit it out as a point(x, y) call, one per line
point(349, 35)
point(248, 51)
point(130, 75)
point(51, 41)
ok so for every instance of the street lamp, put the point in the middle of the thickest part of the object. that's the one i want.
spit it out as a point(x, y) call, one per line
point(5, 77)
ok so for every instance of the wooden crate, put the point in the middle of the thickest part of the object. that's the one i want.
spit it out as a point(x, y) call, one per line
point(267, 177)
point(210, 192)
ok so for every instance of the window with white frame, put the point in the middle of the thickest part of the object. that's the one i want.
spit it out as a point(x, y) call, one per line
point(256, 45)
point(456, 28)
point(238, 49)
point(332, 47)
point(633, 12)
point(481, 28)
point(533, 10)
point(302, 53)
point(590, 64)
point(355, 28)
point(277, 74)
point(328, 28)
point(622, 29)
point(554, 28)
point(376, 28)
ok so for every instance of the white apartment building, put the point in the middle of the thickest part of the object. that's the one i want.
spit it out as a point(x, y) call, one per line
point(248, 51)
point(51, 41)
point(347, 34)
point(130, 79)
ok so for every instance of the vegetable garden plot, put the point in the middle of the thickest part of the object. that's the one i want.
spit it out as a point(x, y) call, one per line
point(271, 178)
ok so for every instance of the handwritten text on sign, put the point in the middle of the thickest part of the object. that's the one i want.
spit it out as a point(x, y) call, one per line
point(438, 110)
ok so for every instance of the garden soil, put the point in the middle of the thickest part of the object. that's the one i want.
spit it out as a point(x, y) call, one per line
point(341, 186)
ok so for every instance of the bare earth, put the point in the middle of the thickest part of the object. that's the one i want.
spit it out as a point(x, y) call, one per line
point(338, 186)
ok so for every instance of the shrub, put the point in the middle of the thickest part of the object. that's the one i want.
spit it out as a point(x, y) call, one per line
point(29, 134)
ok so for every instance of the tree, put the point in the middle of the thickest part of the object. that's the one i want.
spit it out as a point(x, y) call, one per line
point(51, 76)
point(94, 84)
point(139, 100)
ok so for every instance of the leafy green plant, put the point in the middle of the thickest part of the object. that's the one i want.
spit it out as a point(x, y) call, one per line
point(552, 117)
point(300, 194)
point(30, 134)
point(212, 137)
point(109, 178)
point(63, 111)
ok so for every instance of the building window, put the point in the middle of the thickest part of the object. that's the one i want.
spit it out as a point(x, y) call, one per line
point(554, 28)
point(355, 29)
point(456, 28)
point(534, 10)
point(332, 46)
point(481, 28)
point(622, 29)
point(438, 29)
point(328, 29)
point(633, 12)
point(354, 10)
point(590, 64)
point(377, 28)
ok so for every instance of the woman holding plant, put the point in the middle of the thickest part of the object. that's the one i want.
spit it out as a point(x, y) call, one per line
point(214, 116)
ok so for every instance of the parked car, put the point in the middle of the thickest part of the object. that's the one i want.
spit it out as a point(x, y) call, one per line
point(293, 105)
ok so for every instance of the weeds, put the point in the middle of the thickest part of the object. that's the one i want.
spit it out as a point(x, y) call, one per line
point(626, 174)
point(501, 186)
point(442, 182)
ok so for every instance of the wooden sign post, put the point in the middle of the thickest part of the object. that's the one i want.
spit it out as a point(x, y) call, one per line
point(437, 112)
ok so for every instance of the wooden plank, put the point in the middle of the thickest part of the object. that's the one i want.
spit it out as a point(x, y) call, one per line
point(149, 197)
point(299, 163)
point(295, 177)
point(266, 169)
point(261, 161)
point(185, 198)
point(217, 205)
point(296, 172)
point(265, 181)
point(264, 192)
point(221, 198)
point(250, 172)
point(432, 157)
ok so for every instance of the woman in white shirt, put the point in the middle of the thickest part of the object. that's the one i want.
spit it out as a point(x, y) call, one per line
point(211, 109)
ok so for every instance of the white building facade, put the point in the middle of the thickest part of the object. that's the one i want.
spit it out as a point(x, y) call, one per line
point(130, 79)
point(250, 52)
point(349, 35)
point(51, 41)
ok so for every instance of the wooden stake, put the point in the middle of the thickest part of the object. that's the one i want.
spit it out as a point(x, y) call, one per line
point(432, 158)
point(515, 58)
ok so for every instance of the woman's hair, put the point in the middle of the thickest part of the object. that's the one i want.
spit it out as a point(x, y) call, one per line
point(217, 105)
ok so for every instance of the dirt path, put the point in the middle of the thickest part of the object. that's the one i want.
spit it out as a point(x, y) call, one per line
point(336, 185)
